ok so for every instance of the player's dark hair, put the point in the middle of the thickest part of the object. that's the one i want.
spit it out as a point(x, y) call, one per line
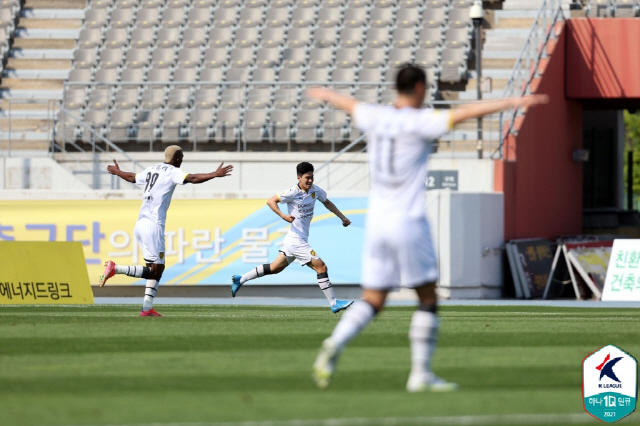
point(407, 78)
point(303, 168)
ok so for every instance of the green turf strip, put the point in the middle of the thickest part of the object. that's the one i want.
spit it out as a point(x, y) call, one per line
point(103, 364)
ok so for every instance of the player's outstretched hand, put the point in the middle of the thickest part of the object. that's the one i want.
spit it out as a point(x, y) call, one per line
point(113, 169)
point(346, 222)
point(223, 171)
point(319, 93)
point(530, 100)
point(289, 218)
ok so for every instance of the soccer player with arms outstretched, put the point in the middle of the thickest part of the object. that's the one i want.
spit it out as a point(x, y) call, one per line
point(398, 248)
point(159, 182)
point(300, 200)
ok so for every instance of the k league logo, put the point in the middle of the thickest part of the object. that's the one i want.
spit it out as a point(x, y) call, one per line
point(609, 384)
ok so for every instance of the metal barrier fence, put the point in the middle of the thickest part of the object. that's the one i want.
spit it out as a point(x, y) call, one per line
point(527, 65)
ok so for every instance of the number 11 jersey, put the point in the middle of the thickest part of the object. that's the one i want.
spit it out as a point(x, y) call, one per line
point(158, 182)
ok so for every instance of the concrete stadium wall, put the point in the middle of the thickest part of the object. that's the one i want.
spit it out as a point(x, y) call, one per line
point(541, 182)
point(255, 175)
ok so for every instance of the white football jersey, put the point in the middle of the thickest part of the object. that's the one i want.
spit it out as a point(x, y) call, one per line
point(398, 146)
point(159, 181)
point(301, 205)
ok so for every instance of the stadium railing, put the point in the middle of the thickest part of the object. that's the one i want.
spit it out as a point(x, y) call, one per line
point(526, 68)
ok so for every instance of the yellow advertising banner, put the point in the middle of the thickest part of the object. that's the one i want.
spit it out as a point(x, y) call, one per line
point(43, 273)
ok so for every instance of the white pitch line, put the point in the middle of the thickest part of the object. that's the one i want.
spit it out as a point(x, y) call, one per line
point(489, 420)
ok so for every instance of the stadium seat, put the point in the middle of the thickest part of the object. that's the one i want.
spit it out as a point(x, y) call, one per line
point(199, 17)
point(299, 37)
point(159, 74)
point(215, 57)
point(461, 4)
point(93, 18)
point(355, 17)
point(377, 37)
point(430, 38)
point(399, 57)
point(185, 75)
point(121, 18)
point(272, 37)
point(294, 58)
point(210, 75)
point(241, 57)
point(277, 17)
point(106, 75)
point(238, 74)
point(148, 121)
point(320, 57)
point(136, 58)
point(147, 18)
point(328, 17)
point(307, 126)
point(120, 123)
point(317, 74)
point(189, 57)
point(172, 18)
point(285, 97)
point(372, 76)
point(434, 18)
point(74, 98)
point(255, 124)
point(410, 4)
point(407, 18)
point(250, 17)
point(224, 17)
point(100, 97)
point(194, 37)
point(168, 37)
point(459, 18)
point(259, 98)
point(227, 125)
point(373, 57)
point(221, 37)
point(110, 58)
point(325, 37)
point(403, 37)
point(152, 97)
point(288, 74)
point(162, 57)
point(246, 37)
point(203, 122)
point(206, 97)
point(125, 4)
point(229, 3)
point(265, 76)
point(134, 74)
point(232, 97)
point(303, 17)
point(436, 4)
point(457, 38)
point(148, 4)
point(175, 125)
point(126, 98)
point(351, 37)
point(367, 94)
point(381, 17)
point(85, 58)
point(336, 125)
point(281, 3)
point(89, 37)
point(384, 3)
point(343, 75)
point(172, 4)
point(97, 120)
point(268, 57)
point(142, 37)
point(351, 4)
point(348, 57)
point(280, 124)
point(203, 3)
point(102, 4)
point(453, 65)
point(309, 103)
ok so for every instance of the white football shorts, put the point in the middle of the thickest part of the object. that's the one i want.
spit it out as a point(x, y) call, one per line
point(398, 253)
point(150, 236)
point(297, 249)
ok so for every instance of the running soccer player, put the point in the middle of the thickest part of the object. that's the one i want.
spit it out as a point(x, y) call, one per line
point(159, 182)
point(398, 247)
point(300, 200)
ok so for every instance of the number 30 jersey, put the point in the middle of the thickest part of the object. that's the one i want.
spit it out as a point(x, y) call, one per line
point(158, 182)
point(398, 146)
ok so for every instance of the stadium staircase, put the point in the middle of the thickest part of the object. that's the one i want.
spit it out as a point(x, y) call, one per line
point(38, 63)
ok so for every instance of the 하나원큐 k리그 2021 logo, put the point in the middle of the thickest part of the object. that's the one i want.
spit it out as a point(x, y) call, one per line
point(610, 384)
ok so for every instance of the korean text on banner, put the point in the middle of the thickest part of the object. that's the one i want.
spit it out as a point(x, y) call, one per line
point(43, 273)
point(623, 274)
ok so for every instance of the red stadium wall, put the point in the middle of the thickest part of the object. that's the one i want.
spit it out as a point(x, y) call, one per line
point(603, 58)
point(541, 183)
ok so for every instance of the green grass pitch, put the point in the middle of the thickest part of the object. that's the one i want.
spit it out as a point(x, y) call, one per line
point(104, 365)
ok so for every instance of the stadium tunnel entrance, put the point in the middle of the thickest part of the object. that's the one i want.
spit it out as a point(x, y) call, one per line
point(563, 173)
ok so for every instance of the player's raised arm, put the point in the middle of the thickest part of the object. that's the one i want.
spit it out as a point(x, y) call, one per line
point(333, 209)
point(114, 169)
point(273, 205)
point(203, 177)
point(340, 101)
point(480, 109)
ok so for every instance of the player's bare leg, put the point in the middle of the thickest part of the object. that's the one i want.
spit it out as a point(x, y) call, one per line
point(354, 320)
point(423, 335)
point(325, 285)
point(275, 267)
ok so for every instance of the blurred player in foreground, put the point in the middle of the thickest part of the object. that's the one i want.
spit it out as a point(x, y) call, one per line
point(398, 248)
point(300, 200)
point(159, 183)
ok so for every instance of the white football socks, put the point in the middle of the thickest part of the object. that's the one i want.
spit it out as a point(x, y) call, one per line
point(353, 321)
point(257, 272)
point(149, 294)
point(131, 271)
point(327, 288)
point(423, 335)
